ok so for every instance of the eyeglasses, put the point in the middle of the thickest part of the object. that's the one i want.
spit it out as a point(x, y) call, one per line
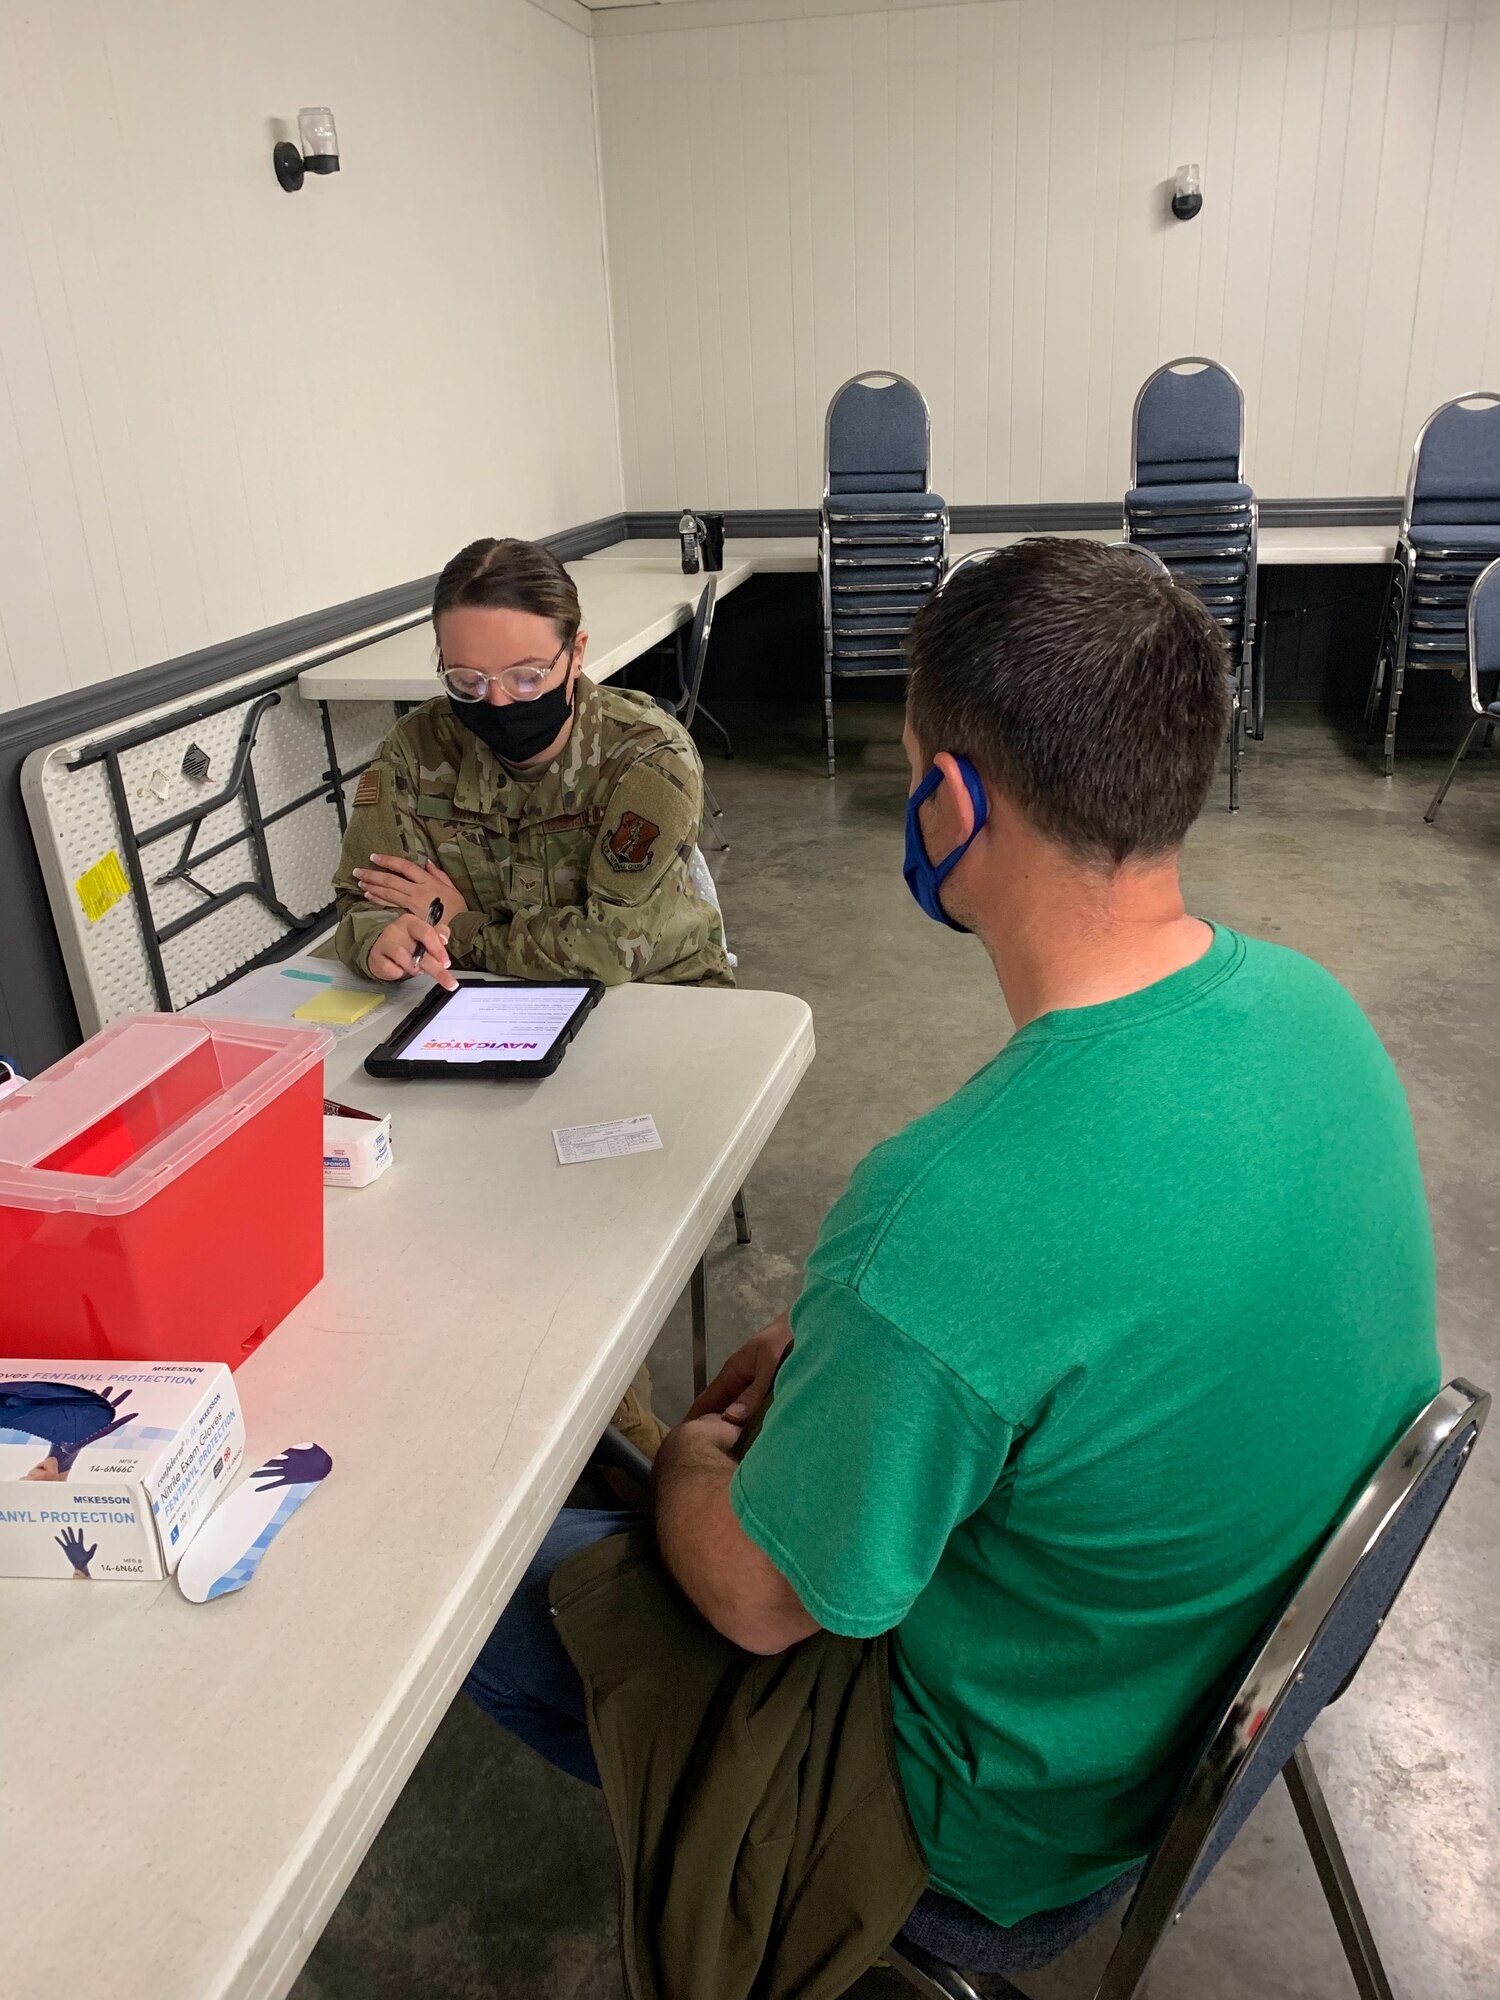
point(521, 683)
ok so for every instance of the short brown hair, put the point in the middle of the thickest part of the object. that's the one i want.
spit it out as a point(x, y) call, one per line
point(1094, 692)
point(510, 575)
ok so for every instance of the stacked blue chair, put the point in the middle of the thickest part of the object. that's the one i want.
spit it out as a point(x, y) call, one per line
point(1450, 530)
point(1484, 672)
point(1189, 505)
point(883, 544)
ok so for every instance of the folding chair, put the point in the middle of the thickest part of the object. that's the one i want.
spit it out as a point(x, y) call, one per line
point(684, 703)
point(883, 538)
point(1484, 664)
point(1189, 506)
point(1305, 1660)
point(1450, 530)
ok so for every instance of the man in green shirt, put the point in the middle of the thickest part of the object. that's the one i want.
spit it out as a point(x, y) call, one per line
point(1088, 1359)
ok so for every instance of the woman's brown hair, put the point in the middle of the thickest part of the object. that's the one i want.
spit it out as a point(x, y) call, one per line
point(510, 575)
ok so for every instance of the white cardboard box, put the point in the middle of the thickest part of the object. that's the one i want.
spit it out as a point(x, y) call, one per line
point(123, 1505)
point(356, 1145)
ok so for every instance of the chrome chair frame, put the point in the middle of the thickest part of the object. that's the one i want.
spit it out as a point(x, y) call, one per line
point(1482, 714)
point(964, 562)
point(825, 559)
point(1167, 368)
point(1145, 555)
point(1249, 709)
point(1172, 1871)
point(1393, 646)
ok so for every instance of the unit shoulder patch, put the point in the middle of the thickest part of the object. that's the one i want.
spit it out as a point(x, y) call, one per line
point(629, 845)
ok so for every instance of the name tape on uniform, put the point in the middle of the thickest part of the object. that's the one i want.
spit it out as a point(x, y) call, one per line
point(608, 1141)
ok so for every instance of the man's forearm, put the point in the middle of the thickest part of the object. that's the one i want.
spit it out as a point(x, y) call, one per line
point(737, 1587)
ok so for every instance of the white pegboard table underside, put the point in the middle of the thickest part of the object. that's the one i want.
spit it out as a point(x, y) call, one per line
point(74, 824)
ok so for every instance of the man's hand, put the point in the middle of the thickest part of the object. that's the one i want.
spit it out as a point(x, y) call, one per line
point(742, 1384)
point(394, 883)
point(735, 1585)
point(392, 955)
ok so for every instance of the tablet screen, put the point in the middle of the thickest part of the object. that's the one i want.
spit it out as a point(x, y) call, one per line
point(490, 1024)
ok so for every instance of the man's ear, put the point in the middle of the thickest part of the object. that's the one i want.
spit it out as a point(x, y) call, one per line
point(955, 794)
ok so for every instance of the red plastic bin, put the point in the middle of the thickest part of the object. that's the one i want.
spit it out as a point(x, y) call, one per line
point(161, 1192)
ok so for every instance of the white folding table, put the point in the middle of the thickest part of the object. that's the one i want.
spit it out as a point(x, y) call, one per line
point(188, 1789)
point(627, 609)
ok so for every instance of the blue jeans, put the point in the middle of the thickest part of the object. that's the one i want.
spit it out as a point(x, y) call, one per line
point(523, 1677)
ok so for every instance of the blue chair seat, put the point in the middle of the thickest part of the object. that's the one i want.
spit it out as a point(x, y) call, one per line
point(883, 575)
point(880, 610)
point(840, 505)
point(889, 528)
point(958, 1935)
point(1209, 548)
point(1455, 535)
point(1195, 493)
point(1439, 618)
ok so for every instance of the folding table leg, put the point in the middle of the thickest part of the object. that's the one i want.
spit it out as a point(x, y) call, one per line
point(741, 1219)
point(699, 1290)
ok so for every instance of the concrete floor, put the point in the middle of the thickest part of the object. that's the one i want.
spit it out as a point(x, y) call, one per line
point(494, 1877)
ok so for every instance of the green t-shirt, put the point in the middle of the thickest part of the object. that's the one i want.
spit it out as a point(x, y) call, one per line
point(1087, 1362)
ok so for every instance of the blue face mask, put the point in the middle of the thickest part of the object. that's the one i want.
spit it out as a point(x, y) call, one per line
point(924, 877)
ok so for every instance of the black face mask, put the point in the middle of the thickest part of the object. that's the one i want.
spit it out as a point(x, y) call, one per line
point(521, 730)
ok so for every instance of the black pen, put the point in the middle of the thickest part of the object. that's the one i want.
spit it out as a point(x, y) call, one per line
point(434, 912)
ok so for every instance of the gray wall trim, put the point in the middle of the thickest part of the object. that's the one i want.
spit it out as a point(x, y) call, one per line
point(1035, 517)
point(37, 1018)
point(1375, 510)
point(601, 534)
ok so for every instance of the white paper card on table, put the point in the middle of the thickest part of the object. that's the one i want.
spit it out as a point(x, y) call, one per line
point(609, 1141)
point(228, 1548)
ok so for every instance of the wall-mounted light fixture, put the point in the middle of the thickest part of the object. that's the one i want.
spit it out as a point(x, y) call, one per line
point(1187, 193)
point(320, 148)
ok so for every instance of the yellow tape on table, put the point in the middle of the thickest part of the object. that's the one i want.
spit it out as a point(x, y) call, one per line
point(99, 888)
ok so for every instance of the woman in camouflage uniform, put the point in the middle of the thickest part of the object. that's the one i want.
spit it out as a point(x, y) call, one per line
point(554, 820)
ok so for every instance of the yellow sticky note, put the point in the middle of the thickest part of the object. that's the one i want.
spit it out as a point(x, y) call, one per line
point(99, 888)
point(338, 1007)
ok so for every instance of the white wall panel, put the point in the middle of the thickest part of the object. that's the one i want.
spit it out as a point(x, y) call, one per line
point(976, 195)
point(221, 405)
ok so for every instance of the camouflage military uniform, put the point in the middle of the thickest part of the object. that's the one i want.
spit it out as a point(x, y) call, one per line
point(578, 871)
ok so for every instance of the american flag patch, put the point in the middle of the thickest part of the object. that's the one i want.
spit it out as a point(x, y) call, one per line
point(367, 791)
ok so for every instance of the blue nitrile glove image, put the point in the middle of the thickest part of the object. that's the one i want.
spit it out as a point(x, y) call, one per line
point(71, 1544)
point(64, 1416)
point(298, 1465)
point(227, 1550)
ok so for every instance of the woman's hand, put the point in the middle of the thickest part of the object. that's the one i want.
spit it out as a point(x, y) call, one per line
point(393, 954)
point(395, 883)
